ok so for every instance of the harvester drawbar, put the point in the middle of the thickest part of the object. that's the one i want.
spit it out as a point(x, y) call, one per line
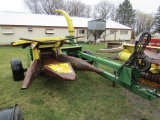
point(48, 56)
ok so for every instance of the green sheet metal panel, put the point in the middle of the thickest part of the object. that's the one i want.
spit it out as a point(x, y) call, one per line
point(125, 75)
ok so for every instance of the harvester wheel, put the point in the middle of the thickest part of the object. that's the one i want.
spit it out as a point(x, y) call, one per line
point(17, 69)
point(89, 53)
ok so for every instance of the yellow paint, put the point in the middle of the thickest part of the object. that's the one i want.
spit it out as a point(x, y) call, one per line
point(49, 39)
point(154, 70)
point(35, 53)
point(69, 21)
point(158, 67)
point(124, 55)
point(60, 67)
point(21, 42)
point(50, 45)
point(155, 66)
point(35, 50)
point(130, 47)
point(34, 44)
point(128, 50)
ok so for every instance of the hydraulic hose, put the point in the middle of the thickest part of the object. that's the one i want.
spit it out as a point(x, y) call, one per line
point(138, 59)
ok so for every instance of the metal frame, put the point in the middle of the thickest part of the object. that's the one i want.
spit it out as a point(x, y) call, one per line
point(125, 78)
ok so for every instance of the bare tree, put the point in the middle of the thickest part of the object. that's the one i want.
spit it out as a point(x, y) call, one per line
point(50, 5)
point(34, 6)
point(103, 9)
point(73, 7)
point(77, 8)
point(44, 6)
point(87, 11)
point(149, 22)
point(143, 22)
point(114, 13)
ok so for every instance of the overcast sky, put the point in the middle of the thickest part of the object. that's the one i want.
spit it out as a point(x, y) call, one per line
point(146, 6)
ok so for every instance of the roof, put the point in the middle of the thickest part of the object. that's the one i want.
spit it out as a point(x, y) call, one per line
point(28, 19)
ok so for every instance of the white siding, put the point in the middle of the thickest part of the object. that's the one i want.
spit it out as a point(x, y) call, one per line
point(113, 37)
point(37, 32)
point(20, 22)
point(117, 36)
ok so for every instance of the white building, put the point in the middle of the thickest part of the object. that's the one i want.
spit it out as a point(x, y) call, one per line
point(14, 25)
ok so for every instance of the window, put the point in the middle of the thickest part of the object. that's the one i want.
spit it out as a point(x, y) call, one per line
point(7, 31)
point(111, 31)
point(30, 29)
point(49, 31)
point(123, 32)
point(81, 31)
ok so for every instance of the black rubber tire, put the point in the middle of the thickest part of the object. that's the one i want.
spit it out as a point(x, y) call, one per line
point(89, 53)
point(17, 69)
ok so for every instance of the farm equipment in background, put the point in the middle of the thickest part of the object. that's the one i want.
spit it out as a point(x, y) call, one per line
point(152, 54)
point(152, 76)
point(48, 56)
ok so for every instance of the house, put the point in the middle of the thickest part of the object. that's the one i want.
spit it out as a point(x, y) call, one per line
point(15, 25)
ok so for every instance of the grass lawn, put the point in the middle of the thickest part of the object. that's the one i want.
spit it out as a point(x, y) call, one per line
point(89, 97)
